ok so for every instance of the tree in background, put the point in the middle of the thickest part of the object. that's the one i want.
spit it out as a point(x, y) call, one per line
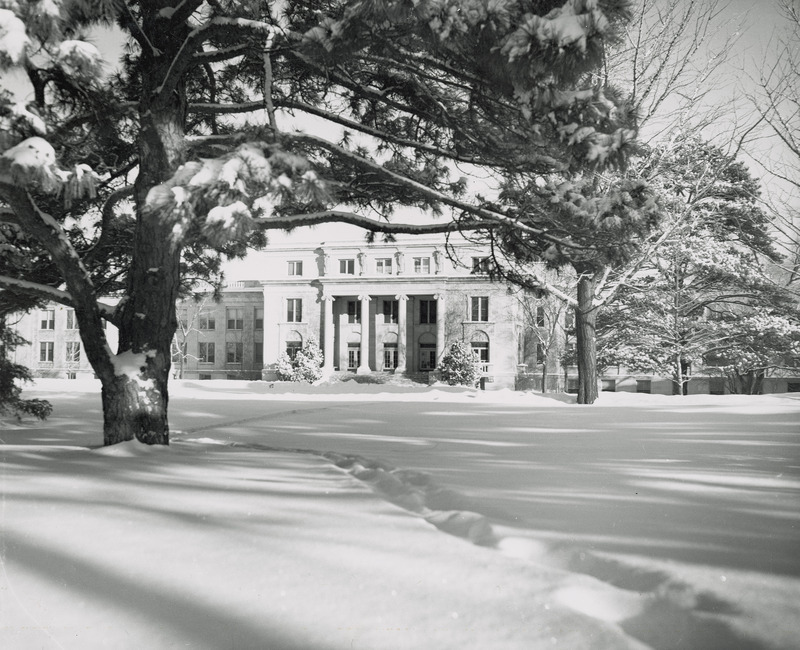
point(120, 183)
point(665, 68)
point(710, 266)
point(304, 365)
point(12, 375)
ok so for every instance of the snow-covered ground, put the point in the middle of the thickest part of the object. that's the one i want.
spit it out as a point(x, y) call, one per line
point(287, 516)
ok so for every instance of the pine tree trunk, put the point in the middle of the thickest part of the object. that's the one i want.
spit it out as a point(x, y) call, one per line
point(585, 339)
point(135, 403)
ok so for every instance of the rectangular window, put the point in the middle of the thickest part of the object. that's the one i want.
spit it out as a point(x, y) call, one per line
point(569, 320)
point(383, 266)
point(205, 376)
point(540, 353)
point(427, 312)
point(235, 318)
point(206, 321)
point(73, 352)
point(716, 386)
point(608, 385)
point(389, 356)
point(233, 352)
point(481, 351)
point(422, 265)
point(258, 318)
point(205, 352)
point(427, 356)
point(71, 322)
point(390, 309)
point(46, 351)
point(643, 385)
point(480, 265)
point(540, 320)
point(295, 268)
point(347, 267)
point(353, 311)
point(294, 310)
point(48, 320)
point(572, 385)
point(479, 308)
point(353, 356)
point(258, 353)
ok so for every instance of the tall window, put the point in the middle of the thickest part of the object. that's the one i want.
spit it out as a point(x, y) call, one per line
point(258, 353)
point(292, 348)
point(347, 267)
point(540, 320)
point(205, 352)
point(427, 312)
point(422, 265)
point(235, 318)
point(569, 320)
point(383, 266)
point(295, 267)
point(46, 351)
point(353, 311)
point(389, 356)
point(427, 356)
point(294, 310)
point(71, 322)
point(206, 321)
point(73, 352)
point(479, 308)
point(353, 356)
point(390, 309)
point(233, 352)
point(258, 318)
point(48, 320)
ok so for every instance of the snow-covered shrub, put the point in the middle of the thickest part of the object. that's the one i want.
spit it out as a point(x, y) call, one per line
point(11, 375)
point(305, 366)
point(458, 366)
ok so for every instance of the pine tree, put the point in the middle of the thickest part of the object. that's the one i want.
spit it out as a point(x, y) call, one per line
point(12, 376)
point(121, 183)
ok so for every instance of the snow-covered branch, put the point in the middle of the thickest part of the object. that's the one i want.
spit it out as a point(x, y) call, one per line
point(340, 216)
point(40, 290)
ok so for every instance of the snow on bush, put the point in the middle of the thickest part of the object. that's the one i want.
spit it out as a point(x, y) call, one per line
point(13, 39)
point(80, 60)
point(305, 366)
point(458, 366)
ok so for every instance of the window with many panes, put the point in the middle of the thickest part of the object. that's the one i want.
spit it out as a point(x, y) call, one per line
point(353, 311)
point(206, 321)
point(294, 310)
point(390, 310)
point(389, 356)
point(206, 352)
point(46, 351)
point(422, 265)
point(235, 318)
point(479, 308)
point(353, 356)
point(258, 353)
point(427, 356)
point(71, 322)
point(347, 267)
point(292, 348)
point(481, 351)
point(427, 312)
point(73, 352)
point(48, 320)
point(233, 352)
point(258, 318)
point(383, 266)
point(295, 267)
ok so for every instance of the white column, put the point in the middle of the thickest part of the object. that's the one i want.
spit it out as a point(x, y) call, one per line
point(440, 307)
point(402, 308)
point(328, 329)
point(363, 367)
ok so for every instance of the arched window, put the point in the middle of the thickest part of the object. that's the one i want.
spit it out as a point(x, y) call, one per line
point(294, 342)
point(480, 346)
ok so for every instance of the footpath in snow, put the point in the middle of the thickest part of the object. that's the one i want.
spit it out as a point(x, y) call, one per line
point(290, 519)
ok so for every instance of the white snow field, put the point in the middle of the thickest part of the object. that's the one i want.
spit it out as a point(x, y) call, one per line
point(381, 516)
